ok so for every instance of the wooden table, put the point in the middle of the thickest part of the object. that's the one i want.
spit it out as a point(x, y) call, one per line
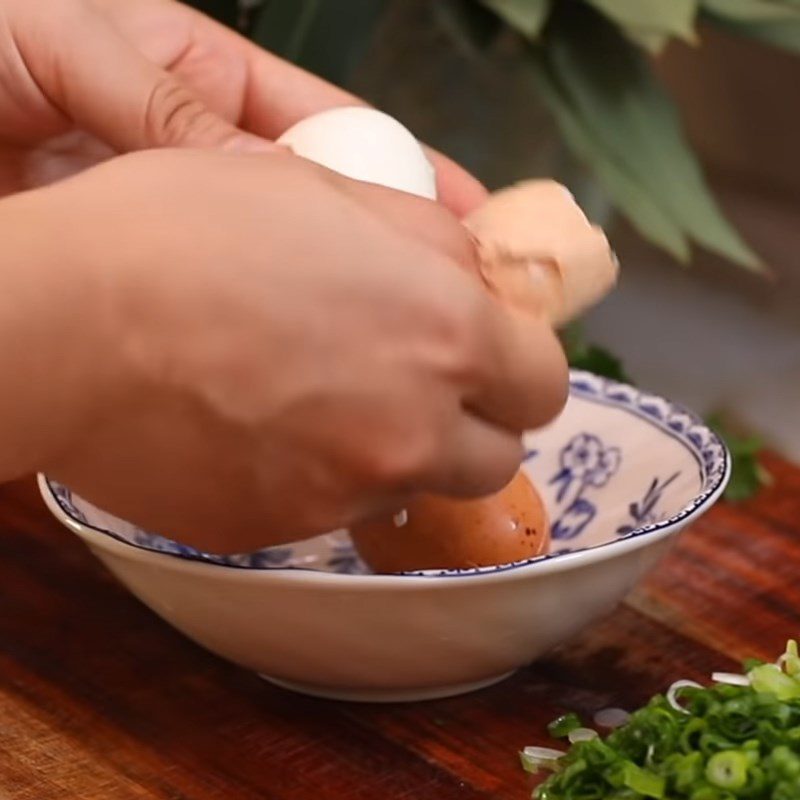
point(100, 700)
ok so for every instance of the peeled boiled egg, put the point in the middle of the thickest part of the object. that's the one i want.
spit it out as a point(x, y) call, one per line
point(366, 145)
point(441, 533)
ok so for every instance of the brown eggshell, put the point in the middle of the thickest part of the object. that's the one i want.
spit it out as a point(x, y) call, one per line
point(440, 533)
point(538, 252)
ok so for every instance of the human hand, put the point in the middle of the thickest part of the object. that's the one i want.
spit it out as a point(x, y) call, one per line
point(87, 79)
point(283, 351)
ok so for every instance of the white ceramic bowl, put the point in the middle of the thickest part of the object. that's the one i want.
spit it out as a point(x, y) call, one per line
point(621, 472)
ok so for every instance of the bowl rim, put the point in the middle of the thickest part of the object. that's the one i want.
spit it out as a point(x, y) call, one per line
point(585, 385)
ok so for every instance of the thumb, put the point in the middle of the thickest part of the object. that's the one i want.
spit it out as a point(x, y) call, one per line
point(109, 89)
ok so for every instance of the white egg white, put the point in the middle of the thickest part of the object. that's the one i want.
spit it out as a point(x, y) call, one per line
point(366, 145)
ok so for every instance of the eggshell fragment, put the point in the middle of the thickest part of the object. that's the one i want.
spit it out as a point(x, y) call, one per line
point(366, 145)
point(441, 533)
point(538, 251)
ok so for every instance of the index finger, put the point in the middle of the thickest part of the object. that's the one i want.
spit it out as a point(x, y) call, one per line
point(523, 378)
point(422, 219)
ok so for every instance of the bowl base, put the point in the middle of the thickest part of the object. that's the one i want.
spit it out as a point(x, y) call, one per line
point(386, 695)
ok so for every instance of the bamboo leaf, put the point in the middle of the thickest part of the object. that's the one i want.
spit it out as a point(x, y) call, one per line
point(317, 35)
point(671, 17)
point(609, 85)
point(641, 209)
point(526, 16)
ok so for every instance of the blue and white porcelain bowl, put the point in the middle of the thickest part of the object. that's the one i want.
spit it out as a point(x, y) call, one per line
point(621, 472)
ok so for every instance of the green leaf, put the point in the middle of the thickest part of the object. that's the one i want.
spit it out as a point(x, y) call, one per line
point(748, 475)
point(602, 362)
point(670, 17)
point(526, 16)
point(317, 35)
point(471, 26)
point(590, 357)
point(648, 40)
point(773, 22)
point(610, 88)
point(629, 196)
point(784, 35)
point(751, 10)
point(561, 728)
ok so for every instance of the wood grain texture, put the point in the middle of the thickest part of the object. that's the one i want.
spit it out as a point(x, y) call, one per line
point(100, 700)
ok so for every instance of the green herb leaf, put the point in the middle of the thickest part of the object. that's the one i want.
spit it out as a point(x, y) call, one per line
point(652, 17)
point(748, 475)
point(590, 357)
point(526, 16)
point(316, 35)
point(601, 362)
point(610, 89)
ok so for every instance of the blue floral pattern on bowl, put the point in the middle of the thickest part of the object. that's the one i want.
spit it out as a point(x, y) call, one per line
point(586, 463)
point(619, 463)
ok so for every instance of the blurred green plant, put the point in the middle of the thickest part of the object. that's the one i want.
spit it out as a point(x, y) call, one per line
point(583, 354)
point(590, 62)
point(748, 473)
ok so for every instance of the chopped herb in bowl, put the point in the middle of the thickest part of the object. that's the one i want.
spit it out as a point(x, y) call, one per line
point(738, 738)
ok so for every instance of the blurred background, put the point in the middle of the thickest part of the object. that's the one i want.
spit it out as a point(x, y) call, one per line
point(675, 122)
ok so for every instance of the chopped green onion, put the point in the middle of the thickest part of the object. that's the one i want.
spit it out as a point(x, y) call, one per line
point(790, 661)
point(611, 718)
point(675, 690)
point(772, 679)
point(730, 678)
point(686, 771)
point(582, 735)
point(639, 780)
point(737, 739)
point(564, 725)
point(536, 759)
point(727, 769)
